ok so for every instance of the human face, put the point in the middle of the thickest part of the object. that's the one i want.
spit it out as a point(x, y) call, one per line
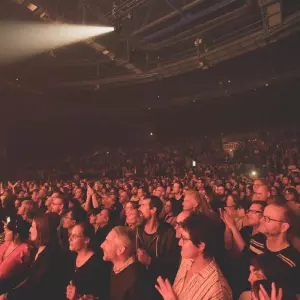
point(255, 275)
point(285, 181)
point(132, 217)
point(257, 183)
point(128, 208)
point(140, 193)
point(276, 224)
point(77, 239)
point(33, 231)
point(261, 193)
point(188, 249)
point(134, 191)
point(178, 225)
point(78, 194)
point(102, 217)
point(254, 214)
point(57, 205)
point(17, 203)
point(35, 196)
point(9, 236)
point(189, 203)
point(145, 208)
point(110, 247)
point(123, 198)
point(273, 191)
point(68, 222)
point(168, 207)
point(159, 192)
point(298, 189)
point(48, 203)
point(92, 219)
point(176, 188)
point(221, 191)
point(289, 196)
point(231, 207)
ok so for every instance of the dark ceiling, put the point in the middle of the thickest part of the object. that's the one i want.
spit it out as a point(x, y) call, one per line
point(154, 39)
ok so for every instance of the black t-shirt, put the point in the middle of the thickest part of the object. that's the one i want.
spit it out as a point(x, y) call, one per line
point(148, 239)
point(92, 278)
point(289, 256)
point(246, 233)
point(130, 284)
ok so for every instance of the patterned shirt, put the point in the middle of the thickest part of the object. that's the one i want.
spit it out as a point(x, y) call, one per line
point(208, 284)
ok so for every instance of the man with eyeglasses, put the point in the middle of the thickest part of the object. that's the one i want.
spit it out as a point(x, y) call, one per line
point(272, 239)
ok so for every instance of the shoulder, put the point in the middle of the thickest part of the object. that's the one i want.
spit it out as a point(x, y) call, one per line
point(290, 256)
point(257, 243)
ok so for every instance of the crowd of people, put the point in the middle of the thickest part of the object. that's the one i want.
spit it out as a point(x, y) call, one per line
point(164, 237)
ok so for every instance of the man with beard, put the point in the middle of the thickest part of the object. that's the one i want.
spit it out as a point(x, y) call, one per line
point(156, 242)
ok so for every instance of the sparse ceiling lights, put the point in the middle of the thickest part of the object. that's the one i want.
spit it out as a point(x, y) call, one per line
point(32, 7)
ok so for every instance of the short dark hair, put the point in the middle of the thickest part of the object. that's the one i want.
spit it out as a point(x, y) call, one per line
point(88, 232)
point(78, 214)
point(155, 202)
point(202, 229)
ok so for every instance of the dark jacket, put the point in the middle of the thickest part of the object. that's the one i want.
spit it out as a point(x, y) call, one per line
point(47, 278)
point(164, 252)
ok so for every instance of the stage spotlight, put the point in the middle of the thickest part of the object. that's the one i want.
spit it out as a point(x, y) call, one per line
point(24, 39)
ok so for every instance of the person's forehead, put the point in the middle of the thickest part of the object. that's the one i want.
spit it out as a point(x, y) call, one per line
point(57, 201)
point(255, 206)
point(181, 217)
point(77, 230)
point(272, 210)
point(111, 236)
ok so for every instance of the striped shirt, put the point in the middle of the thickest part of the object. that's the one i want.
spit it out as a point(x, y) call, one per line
point(208, 284)
point(288, 255)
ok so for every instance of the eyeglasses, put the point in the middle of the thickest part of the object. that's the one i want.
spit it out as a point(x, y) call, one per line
point(256, 212)
point(179, 224)
point(75, 236)
point(184, 239)
point(268, 220)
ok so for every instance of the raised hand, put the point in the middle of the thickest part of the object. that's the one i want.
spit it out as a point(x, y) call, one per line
point(165, 289)
point(263, 295)
point(71, 291)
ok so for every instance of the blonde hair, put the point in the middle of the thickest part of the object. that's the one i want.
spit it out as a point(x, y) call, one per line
point(202, 204)
point(126, 237)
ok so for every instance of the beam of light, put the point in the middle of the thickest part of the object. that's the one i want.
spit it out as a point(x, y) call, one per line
point(20, 40)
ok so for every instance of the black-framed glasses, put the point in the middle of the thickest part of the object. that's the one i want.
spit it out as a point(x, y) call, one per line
point(179, 224)
point(268, 220)
point(255, 212)
point(184, 239)
point(75, 236)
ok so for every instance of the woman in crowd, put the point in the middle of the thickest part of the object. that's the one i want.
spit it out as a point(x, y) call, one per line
point(15, 254)
point(26, 211)
point(72, 217)
point(90, 273)
point(48, 275)
point(268, 276)
point(198, 277)
point(134, 218)
point(172, 209)
point(236, 210)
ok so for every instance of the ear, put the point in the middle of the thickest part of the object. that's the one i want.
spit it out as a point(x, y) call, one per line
point(285, 227)
point(154, 210)
point(120, 250)
point(201, 246)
